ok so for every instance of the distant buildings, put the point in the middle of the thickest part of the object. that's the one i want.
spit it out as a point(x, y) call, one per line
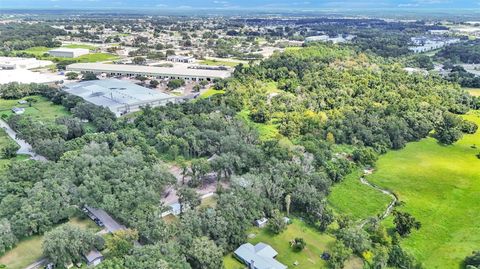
point(119, 96)
point(176, 72)
point(68, 53)
point(180, 59)
point(326, 38)
point(424, 44)
point(260, 256)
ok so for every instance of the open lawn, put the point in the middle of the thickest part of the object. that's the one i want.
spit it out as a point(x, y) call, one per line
point(309, 258)
point(266, 130)
point(29, 249)
point(348, 197)
point(80, 46)
point(88, 58)
point(41, 109)
point(219, 63)
point(210, 92)
point(473, 91)
point(440, 186)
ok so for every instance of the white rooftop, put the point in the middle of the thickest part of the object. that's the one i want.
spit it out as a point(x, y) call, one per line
point(115, 94)
point(27, 76)
point(178, 70)
point(68, 50)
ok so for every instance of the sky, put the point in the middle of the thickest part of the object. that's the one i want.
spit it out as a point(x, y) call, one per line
point(240, 4)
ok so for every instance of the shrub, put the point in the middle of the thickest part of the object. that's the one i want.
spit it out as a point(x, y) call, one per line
point(298, 244)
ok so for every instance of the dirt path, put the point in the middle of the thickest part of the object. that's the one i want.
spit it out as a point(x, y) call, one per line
point(390, 206)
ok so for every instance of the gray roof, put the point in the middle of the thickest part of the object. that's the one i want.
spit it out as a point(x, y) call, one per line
point(176, 71)
point(93, 255)
point(261, 254)
point(114, 93)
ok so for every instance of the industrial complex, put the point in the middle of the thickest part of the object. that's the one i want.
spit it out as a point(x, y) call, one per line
point(176, 72)
point(68, 53)
point(120, 96)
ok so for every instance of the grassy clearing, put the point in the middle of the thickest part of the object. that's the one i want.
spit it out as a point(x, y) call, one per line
point(80, 46)
point(440, 187)
point(219, 63)
point(473, 91)
point(309, 258)
point(348, 197)
point(40, 52)
point(267, 131)
point(209, 202)
point(41, 109)
point(210, 92)
point(29, 249)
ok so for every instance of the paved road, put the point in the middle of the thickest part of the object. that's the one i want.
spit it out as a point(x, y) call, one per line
point(110, 224)
point(25, 148)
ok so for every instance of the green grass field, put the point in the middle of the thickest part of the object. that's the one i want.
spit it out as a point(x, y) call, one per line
point(42, 109)
point(80, 46)
point(440, 186)
point(309, 258)
point(210, 92)
point(473, 91)
point(266, 130)
point(219, 63)
point(92, 57)
point(348, 197)
point(29, 249)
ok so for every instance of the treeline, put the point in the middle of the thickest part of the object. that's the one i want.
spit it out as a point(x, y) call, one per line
point(20, 36)
point(465, 52)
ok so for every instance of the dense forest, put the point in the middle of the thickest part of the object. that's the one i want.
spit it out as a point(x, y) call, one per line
point(19, 36)
point(468, 53)
point(334, 109)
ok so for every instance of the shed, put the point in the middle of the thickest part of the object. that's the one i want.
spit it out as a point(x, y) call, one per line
point(94, 257)
point(261, 222)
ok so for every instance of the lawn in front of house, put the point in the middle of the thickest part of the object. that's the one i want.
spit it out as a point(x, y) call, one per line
point(309, 258)
point(41, 108)
point(29, 249)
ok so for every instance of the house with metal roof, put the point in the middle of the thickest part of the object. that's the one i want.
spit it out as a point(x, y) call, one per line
point(260, 256)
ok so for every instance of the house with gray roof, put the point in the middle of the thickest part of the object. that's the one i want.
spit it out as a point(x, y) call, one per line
point(260, 256)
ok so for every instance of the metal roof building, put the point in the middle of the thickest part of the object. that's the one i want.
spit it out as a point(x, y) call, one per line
point(119, 96)
point(176, 72)
point(68, 52)
point(260, 256)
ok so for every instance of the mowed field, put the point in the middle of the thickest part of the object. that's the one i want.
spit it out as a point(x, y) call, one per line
point(41, 108)
point(440, 186)
point(309, 258)
point(91, 57)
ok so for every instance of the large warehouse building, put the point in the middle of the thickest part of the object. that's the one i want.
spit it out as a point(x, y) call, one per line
point(120, 96)
point(12, 63)
point(176, 72)
point(68, 53)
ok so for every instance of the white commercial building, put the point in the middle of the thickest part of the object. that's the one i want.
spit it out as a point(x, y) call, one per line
point(68, 53)
point(120, 96)
point(180, 59)
point(176, 72)
point(27, 76)
point(12, 63)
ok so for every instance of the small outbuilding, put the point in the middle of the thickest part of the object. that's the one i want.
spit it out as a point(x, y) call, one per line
point(94, 257)
point(261, 222)
point(18, 110)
